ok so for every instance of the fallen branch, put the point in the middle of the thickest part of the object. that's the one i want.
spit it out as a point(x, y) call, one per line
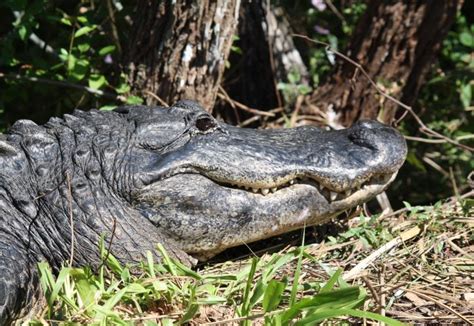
point(364, 263)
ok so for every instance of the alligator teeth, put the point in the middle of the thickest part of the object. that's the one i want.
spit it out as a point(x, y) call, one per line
point(321, 187)
point(265, 191)
point(292, 182)
point(333, 195)
point(255, 190)
point(348, 192)
point(274, 189)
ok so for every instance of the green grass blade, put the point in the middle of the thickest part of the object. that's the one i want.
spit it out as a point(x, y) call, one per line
point(296, 277)
point(332, 281)
point(273, 295)
point(167, 260)
point(332, 313)
point(246, 297)
point(341, 298)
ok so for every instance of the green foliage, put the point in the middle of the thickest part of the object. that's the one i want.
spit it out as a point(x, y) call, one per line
point(371, 233)
point(293, 88)
point(256, 291)
point(71, 45)
point(447, 106)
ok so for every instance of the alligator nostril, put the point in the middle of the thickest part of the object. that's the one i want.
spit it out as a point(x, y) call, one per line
point(363, 137)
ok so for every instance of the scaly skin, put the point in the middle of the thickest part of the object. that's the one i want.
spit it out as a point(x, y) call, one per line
point(141, 176)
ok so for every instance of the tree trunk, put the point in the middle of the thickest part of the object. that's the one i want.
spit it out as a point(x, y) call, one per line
point(267, 56)
point(178, 49)
point(396, 42)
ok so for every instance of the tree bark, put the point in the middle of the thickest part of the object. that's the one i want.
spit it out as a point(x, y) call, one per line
point(267, 56)
point(178, 49)
point(396, 42)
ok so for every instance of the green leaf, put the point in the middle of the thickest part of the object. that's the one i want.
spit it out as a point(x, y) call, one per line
point(82, 19)
point(23, 32)
point(465, 95)
point(114, 264)
point(66, 21)
point(84, 30)
point(190, 312)
point(83, 47)
point(71, 62)
point(166, 322)
point(413, 160)
point(150, 263)
point(84, 286)
point(122, 88)
point(272, 296)
point(324, 315)
point(467, 39)
point(212, 299)
point(136, 288)
point(108, 107)
point(107, 50)
point(97, 81)
point(332, 281)
point(342, 298)
point(296, 276)
point(164, 254)
point(132, 99)
point(80, 70)
point(257, 294)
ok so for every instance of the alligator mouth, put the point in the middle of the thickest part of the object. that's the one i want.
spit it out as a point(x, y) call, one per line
point(331, 195)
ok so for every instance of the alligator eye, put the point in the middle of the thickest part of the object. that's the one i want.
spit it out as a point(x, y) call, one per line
point(205, 123)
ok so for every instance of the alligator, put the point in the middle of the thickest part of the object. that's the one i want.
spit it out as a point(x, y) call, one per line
point(138, 176)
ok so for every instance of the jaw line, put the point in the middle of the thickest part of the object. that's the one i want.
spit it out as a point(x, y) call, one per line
point(360, 195)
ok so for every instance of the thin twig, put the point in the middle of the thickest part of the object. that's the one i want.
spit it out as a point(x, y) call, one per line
point(439, 303)
point(156, 97)
point(426, 140)
point(372, 290)
point(435, 166)
point(334, 10)
point(457, 248)
point(223, 95)
point(423, 128)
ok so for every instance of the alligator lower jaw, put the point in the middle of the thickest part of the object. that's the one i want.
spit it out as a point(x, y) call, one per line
point(205, 217)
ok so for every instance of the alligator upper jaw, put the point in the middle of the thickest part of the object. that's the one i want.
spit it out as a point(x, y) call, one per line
point(265, 160)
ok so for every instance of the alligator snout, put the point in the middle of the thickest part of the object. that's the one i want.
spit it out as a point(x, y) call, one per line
point(387, 145)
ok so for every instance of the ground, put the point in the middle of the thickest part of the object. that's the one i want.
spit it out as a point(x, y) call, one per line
point(414, 265)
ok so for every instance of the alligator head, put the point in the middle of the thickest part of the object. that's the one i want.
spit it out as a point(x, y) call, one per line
point(210, 186)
